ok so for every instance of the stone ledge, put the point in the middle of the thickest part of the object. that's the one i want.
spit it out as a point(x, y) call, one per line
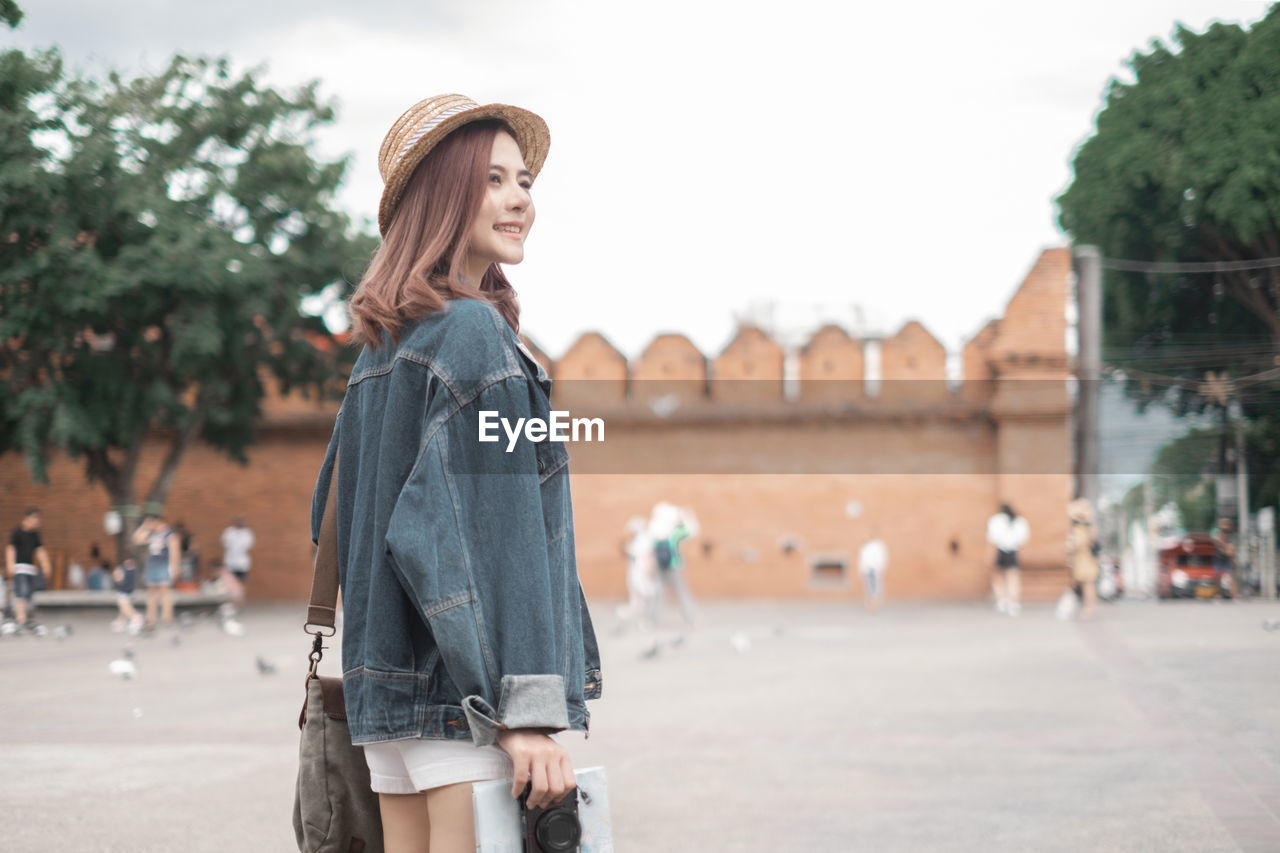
point(75, 598)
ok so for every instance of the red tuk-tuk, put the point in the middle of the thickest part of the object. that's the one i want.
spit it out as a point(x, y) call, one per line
point(1188, 569)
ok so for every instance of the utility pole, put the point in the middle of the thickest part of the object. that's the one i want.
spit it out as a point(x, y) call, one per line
point(1242, 493)
point(1227, 394)
point(1151, 566)
point(1087, 261)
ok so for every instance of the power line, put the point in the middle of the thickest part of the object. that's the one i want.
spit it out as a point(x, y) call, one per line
point(1125, 265)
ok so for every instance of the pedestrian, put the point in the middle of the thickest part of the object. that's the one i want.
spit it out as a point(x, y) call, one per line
point(164, 550)
point(641, 572)
point(26, 559)
point(99, 578)
point(466, 637)
point(237, 541)
point(873, 559)
point(1224, 556)
point(189, 556)
point(669, 525)
point(125, 579)
point(1007, 532)
point(1082, 554)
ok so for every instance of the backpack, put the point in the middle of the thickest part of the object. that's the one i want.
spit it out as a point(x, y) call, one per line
point(663, 553)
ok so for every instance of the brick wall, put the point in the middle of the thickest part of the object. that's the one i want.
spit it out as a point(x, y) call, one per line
point(831, 366)
point(775, 482)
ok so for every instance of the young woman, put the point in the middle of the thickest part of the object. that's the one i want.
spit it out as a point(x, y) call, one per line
point(1007, 532)
point(1080, 554)
point(164, 550)
point(466, 639)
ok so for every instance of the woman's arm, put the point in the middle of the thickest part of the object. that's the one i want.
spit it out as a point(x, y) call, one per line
point(468, 541)
point(175, 555)
point(141, 533)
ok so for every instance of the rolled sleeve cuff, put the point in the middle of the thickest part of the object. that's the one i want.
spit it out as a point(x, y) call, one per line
point(527, 702)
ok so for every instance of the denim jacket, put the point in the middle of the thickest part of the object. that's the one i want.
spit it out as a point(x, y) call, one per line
point(463, 613)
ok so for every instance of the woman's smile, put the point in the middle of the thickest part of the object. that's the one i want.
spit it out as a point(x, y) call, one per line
point(506, 212)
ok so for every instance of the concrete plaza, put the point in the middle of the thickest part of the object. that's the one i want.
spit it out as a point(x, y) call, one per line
point(771, 727)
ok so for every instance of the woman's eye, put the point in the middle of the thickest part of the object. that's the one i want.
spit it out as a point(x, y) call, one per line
point(497, 179)
point(528, 185)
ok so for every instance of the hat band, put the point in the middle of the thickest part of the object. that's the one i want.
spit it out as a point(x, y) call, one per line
point(430, 126)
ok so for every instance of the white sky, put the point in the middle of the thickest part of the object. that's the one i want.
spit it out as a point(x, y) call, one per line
point(858, 165)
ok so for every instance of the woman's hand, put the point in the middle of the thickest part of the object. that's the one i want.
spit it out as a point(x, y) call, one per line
point(539, 762)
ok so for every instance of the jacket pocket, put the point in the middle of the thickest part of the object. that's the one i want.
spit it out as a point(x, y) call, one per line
point(553, 485)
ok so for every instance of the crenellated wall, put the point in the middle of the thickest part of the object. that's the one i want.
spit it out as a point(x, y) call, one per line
point(784, 454)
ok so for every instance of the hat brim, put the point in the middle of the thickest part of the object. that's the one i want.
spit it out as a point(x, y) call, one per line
point(531, 133)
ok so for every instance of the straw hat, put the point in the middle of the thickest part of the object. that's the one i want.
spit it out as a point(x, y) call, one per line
point(1080, 510)
point(427, 122)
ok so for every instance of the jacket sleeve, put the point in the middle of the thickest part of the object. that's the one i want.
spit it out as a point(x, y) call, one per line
point(469, 543)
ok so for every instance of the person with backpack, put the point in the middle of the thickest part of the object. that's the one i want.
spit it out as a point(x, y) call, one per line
point(669, 525)
point(1082, 553)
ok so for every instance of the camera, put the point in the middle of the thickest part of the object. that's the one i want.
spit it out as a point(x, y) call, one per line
point(554, 829)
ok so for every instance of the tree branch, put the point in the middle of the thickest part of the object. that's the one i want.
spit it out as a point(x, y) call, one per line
point(164, 479)
point(100, 468)
point(1241, 286)
point(131, 457)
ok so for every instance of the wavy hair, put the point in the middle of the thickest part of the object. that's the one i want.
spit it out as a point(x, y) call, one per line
point(418, 268)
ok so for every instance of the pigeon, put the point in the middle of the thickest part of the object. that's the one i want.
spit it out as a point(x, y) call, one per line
point(123, 668)
point(61, 632)
point(176, 640)
point(1271, 625)
point(233, 627)
point(128, 652)
point(266, 667)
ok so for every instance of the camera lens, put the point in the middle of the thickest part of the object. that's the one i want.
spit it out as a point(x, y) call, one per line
point(558, 830)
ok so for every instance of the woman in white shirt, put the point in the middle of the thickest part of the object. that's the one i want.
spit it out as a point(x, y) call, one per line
point(1008, 532)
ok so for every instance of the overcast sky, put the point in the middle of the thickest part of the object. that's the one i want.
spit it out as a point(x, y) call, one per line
point(858, 165)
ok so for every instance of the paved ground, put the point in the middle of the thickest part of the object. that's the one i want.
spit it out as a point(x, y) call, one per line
point(773, 727)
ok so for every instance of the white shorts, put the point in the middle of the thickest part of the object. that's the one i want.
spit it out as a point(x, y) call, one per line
point(410, 766)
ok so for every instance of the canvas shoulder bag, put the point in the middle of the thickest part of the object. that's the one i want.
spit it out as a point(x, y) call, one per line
point(334, 809)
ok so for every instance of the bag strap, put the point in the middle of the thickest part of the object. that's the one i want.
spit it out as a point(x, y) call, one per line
point(324, 585)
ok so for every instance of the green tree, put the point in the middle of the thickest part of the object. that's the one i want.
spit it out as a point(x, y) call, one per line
point(1181, 474)
point(1184, 167)
point(156, 237)
point(10, 13)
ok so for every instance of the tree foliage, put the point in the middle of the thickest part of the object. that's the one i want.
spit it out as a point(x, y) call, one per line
point(1184, 166)
point(156, 237)
point(10, 14)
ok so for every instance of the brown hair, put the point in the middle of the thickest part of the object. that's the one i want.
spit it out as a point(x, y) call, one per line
point(418, 267)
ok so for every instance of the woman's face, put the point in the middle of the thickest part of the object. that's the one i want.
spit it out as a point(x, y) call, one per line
point(506, 214)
